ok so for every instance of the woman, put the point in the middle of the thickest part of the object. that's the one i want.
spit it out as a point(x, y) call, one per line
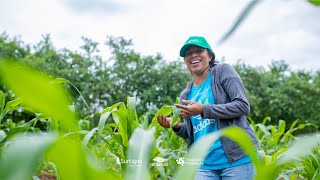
point(215, 99)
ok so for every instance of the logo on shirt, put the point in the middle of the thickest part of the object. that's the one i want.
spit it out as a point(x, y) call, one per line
point(203, 124)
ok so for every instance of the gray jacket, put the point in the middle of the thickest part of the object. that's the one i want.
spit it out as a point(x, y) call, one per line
point(231, 106)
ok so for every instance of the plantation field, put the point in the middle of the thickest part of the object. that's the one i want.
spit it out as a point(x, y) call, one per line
point(117, 143)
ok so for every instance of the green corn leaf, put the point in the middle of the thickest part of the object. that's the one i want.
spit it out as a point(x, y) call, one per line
point(88, 136)
point(281, 126)
point(139, 151)
point(120, 118)
point(277, 154)
point(59, 81)
point(102, 121)
point(72, 163)
point(164, 110)
point(12, 105)
point(30, 123)
point(314, 2)
point(302, 146)
point(62, 80)
point(34, 89)
point(252, 124)
point(14, 131)
point(243, 140)
point(3, 135)
point(176, 114)
point(263, 129)
point(126, 118)
point(293, 124)
point(2, 102)
point(132, 115)
point(243, 15)
point(113, 107)
point(24, 155)
point(265, 120)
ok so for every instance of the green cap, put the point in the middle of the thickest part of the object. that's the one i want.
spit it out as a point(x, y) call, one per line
point(194, 41)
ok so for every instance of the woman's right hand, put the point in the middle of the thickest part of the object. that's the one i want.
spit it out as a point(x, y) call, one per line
point(164, 121)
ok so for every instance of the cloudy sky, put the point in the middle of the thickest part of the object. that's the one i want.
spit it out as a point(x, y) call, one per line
point(275, 30)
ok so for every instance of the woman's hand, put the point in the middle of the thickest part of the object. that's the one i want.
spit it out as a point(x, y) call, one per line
point(166, 122)
point(194, 108)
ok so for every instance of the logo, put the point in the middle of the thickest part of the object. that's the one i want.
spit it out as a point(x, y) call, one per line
point(194, 41)
point(189, 161)
point(203, 124)
point(159, 161)
point(129, 162)
point(180, 161)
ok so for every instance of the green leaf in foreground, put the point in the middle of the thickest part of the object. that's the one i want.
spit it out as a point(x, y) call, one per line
point(72, 162)
point(315, 2)
point(23, 155)
point(34, 89)
point(302, 146)
point(140, 148)
point(239, 20)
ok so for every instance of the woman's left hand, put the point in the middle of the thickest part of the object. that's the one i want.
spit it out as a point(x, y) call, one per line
point(189, 110)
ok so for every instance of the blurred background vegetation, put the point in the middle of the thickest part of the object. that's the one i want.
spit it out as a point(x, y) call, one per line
point(276, 92)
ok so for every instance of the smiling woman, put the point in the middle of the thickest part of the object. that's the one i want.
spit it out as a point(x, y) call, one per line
point(214, 100)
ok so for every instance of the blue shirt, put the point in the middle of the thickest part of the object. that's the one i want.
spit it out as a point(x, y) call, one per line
point(215, 158)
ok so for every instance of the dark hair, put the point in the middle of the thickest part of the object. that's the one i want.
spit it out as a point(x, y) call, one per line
point(212, 61)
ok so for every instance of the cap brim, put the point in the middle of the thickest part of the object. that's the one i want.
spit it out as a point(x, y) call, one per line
point(184, 49)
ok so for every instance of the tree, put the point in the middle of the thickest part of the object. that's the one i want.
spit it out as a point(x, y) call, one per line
point(281, 93)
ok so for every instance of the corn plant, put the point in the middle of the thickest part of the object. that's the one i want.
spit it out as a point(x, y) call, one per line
point(274, 140)
point(22, 154)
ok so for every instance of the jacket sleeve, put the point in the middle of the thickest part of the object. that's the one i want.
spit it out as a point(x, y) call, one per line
point(182, 132)
point(234, 89)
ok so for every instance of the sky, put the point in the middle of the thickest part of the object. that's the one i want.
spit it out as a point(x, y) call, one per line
point(275, 30)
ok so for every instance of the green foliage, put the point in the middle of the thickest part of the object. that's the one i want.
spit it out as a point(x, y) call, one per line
point(149, 78)
point(102, 82)
point(24, 155)
point(39, 92)
point(97, 146)
point(107, 149)
point(310, 166)
point(280, 93)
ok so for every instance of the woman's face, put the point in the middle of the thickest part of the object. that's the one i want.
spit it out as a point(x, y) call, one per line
point(197, 59)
